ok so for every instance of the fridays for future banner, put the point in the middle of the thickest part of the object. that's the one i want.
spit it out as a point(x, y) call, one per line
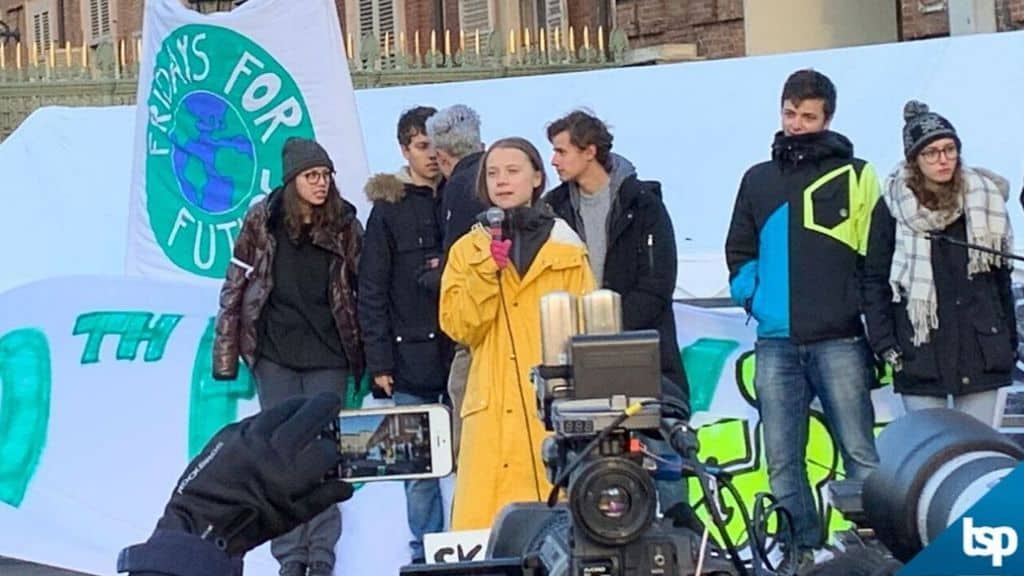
point(218, 97)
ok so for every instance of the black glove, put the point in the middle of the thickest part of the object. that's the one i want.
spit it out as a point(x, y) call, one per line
point(429, 276)
point(261, 477)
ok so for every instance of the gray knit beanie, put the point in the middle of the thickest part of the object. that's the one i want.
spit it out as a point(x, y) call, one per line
point(923, 127)
point(301, 154)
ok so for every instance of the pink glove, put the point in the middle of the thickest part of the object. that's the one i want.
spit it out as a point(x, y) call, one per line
point(499, 251)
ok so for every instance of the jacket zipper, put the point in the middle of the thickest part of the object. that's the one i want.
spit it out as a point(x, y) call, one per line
point(650, 252)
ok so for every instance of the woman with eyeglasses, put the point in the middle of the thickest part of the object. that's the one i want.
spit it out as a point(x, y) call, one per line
point(288, 309)
point(939, 313)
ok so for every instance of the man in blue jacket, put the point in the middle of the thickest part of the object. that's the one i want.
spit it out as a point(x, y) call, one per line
point(795, 251)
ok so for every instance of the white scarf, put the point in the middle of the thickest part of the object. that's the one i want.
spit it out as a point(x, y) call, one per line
point(983, 204)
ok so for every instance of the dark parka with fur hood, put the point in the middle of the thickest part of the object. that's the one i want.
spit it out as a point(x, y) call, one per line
point(397, 303)
point(250, 280)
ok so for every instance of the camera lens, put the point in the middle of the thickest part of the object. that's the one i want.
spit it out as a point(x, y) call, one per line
point(614, 502)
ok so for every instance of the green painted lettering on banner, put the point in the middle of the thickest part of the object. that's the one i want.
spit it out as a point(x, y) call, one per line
point(24, 409)
point(212, 403)
point(131, 328)
point(704, 361)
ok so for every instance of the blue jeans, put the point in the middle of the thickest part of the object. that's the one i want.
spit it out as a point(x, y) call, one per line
point(423, 503)
point(788, 376)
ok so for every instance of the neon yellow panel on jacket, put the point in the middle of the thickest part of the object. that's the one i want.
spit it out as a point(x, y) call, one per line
point(499, 459)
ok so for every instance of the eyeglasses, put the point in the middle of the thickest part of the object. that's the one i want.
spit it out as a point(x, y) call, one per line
point(931, 155)
point(316, 176)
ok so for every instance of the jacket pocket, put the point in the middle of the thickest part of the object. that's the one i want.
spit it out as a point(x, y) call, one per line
point(918, 361)
point(418, 360)
point(830, 204)
point(995, 343)
point(416, 239)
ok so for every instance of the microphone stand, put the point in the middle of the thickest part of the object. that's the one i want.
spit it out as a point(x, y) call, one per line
point(970, 246)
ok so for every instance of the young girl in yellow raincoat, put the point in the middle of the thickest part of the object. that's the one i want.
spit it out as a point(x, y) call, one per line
point(490, 301)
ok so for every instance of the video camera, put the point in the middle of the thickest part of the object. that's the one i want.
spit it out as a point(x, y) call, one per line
point(599, 390)
point(599, 453)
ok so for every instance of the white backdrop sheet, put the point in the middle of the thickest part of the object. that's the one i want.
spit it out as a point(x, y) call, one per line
point(694, 126)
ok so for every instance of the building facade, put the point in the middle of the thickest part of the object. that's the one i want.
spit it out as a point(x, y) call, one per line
point(717, 28)
point(714, 28)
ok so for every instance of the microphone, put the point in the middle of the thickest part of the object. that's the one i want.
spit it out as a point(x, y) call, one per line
point(495, 216)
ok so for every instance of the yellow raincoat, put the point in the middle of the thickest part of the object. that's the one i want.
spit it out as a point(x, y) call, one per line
point(499, 459)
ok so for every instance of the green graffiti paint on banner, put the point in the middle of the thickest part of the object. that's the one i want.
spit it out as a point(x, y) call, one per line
point(741, 450)
point(354, 395)
point(704, 361)
point(24, 409)
point(213, 404)
point(131, 328)
point(738, 446)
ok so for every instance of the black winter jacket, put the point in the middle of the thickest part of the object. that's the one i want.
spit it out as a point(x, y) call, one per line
point(172, 553)
point(397, 312)
point(974, 347)
point(459, 204)
point(640, 265)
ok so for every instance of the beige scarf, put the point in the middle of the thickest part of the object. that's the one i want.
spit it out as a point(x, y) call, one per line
point(984, 206)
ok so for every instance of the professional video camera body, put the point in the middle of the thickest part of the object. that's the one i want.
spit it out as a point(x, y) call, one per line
point(600, 391)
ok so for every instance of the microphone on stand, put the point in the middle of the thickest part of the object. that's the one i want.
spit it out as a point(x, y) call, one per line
point(968, 245)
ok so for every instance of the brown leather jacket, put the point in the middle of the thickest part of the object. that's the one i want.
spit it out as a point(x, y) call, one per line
point(249, 282)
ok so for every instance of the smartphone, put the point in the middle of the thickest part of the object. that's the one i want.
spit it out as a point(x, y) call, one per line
point(400, 443)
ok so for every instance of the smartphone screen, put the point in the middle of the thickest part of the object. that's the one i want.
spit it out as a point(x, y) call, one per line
point(388, 445)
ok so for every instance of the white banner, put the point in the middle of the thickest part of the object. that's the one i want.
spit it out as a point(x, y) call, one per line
point(218, 97)
point(106, 391)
